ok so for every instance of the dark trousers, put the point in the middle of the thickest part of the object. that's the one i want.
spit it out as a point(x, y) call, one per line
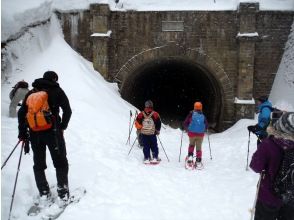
point(56, 145)
point(149, 142)
point(264, 212)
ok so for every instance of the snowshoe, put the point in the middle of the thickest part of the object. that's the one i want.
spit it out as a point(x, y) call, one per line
point(189, 163)
point(58, 207)
point(198, 164)
point(155, 161)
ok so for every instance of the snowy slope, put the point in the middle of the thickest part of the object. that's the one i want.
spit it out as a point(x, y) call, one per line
point(120, 186)
point(285, 77)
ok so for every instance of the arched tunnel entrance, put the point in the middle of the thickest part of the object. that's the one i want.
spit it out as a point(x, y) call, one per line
point(174, 85)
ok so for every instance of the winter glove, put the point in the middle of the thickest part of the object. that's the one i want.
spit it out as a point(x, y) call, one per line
point(23, 136)
point(252, 128)
point(27, 146)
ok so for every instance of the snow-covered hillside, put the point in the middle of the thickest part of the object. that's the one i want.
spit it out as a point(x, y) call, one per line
point(118, 186)
point(282, 94)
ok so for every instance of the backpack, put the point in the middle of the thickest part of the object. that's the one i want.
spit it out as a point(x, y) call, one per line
point(284, 180)
point(39, 116)
point(197, 124)
point(148, 126)
point(20, 84)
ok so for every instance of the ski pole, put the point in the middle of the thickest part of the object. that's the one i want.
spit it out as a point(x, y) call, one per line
point(181, 145)
point(248, 151)
point(10, 154)
point(209, 145)
point(252, 211)
point(132, 128)
point(163, 148)
point(12, 199)
point(132, 145)
point(130, 124)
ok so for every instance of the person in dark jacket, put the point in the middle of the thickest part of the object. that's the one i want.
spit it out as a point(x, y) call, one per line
point(53, 137)
point(264, 108)
point(148, 124)
point(195, 124)
point(266, 160)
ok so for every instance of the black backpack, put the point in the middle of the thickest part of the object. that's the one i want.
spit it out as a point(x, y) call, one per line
point(284, 180)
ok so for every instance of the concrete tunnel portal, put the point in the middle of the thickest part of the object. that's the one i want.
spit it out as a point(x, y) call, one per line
point(174, 85)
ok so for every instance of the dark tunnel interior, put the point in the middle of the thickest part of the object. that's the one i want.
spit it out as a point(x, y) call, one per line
point(173, 86)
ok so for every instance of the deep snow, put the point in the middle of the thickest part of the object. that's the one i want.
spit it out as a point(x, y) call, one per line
point(120, 186)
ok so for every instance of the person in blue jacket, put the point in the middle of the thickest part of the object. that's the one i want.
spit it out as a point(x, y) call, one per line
point(264, 117)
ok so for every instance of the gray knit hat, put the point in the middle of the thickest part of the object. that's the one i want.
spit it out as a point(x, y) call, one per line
point(283, 127)
point(149, 104)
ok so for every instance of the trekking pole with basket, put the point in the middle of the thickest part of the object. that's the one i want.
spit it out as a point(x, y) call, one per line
point(18, 168)
point(130, 125)
point(163, 148)
point(128, 140)
point(10, 154)
point(252, 210)
point(209, 145)
point(248, 151)
point(181, 145)
point(133, 145)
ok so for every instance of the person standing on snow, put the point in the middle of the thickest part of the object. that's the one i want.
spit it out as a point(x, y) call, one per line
point(266, 161)
point(264, 109)
point(52, 137)
point(148, 123)
point(16, 95)
point(195, 124)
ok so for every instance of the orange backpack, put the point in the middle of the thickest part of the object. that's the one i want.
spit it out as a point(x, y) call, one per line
point(39, 116)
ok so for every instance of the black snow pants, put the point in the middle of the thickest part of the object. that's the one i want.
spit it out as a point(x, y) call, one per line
point(56, 145)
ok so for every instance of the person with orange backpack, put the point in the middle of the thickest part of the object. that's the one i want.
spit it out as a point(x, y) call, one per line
point(148, 124)
point(195, 124)
point(40, 123)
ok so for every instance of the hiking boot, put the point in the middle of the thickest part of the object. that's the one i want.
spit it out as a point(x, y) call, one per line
point(62, 202)
point(155, 160)
point(198, 160)
point(190, 159)
point(62, 191)
point(45, 199)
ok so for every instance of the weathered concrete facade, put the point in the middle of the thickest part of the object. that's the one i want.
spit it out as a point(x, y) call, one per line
point(226, 54)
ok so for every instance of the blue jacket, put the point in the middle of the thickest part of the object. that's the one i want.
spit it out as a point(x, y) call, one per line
point(264, 116)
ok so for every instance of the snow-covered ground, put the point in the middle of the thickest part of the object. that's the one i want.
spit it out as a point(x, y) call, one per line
point(120, 186)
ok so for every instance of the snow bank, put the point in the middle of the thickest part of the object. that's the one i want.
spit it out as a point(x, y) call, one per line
point(282, 93)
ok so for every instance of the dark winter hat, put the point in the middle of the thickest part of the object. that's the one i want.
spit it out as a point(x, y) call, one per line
point(262, 99)
point(148, 104)
point(51, 75)
point(283, 127)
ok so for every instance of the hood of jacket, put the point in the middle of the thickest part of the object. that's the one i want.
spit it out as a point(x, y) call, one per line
point(285, 144)
point(42, 83)
point(265, 104)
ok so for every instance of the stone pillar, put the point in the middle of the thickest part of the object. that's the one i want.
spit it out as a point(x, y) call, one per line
point(100, 37)
point(247, 37)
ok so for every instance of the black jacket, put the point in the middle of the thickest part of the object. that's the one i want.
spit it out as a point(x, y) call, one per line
point(56, 99)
